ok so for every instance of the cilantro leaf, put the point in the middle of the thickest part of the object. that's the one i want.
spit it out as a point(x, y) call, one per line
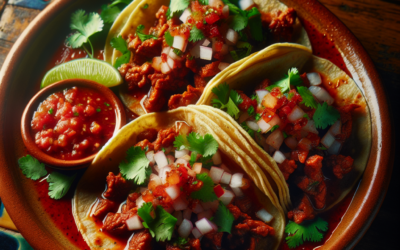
point(31, 167)
point(59, 184)
point(205, 161)
point(250, 111)
point(292, 78)
point(235, 96)
point(223, 218)
point(307, 231)
point(228, 99)
point(169, 38)
point(195, 34)
point(178, 5)
point(274, 128)
point(181, 142)
point(243, 50)
point(308, 98)
point(86, 26)
point(109, 14)
point(126, 2)
point(121, 45)
point(257, 117)
point(135, 166)
point(205, 145)
point(238, 22)
point(162, 225)
point(181, 241)
point(247, 129)
point(222, 92)
point(255, 25)
point(206, 193)
point(325, 116)
point(143, 37)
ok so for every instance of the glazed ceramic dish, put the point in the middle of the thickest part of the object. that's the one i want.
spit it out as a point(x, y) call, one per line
point(20, 80)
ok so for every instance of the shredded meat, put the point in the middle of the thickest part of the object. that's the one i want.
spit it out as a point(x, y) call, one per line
point(149, 134)
point(303, 212)
point(155, 101)
point(256, 227)
point(115, 223)
point(165, 138)
point(130, 202)
point(136, 76)
point(103, 207)
point(235, 211)
point(199, 82)
point(287, 167)
point(191, 64)
point(244, 204)
point(145, 143)
point(188, 97)
point(340, 164)
point(347, 121)
point(148, 49)
point(141, 240)
point(212, 240)
point(210, 69)
point(282, 24)
point(194, 244)
point(117, 187)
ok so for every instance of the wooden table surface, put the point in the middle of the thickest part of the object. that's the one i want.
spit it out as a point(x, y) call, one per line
point(376, 23)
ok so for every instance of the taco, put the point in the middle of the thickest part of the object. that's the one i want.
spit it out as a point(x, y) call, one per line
point(306, 113)
point(168, 54)
point(204, 195)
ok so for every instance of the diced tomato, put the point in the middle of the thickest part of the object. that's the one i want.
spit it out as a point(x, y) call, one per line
point(199, 25)
point(212, 18)
point(219, 191)
point(267, 115)
point(214, 32)
point(147, 196)
point(164, 57)
point(173, 177)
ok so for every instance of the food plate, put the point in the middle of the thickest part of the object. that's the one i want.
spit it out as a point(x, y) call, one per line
point(41, 39)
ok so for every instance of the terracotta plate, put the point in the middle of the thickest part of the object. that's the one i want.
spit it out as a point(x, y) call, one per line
point(26, 61)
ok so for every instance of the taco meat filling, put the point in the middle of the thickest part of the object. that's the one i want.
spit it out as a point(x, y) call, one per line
point(174, 60)
point(185, 201)
point(297, 122)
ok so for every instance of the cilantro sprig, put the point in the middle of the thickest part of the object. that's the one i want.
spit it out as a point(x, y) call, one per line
point(292, 78)
point(177, 6)
point(307, 231)
point(31, 167)
point(205, 145)
point(206, 193)
point(227, 99)
point(143, 37)
point(325, 116)
point(85, 26)
point(243, 50)
point(135, 166)
point(223, 218)
point(196, 34)
point(159, 222)
point(110, 12)
point(59, 184)
point(169, 39)
point(121, 45)
point(308, 98)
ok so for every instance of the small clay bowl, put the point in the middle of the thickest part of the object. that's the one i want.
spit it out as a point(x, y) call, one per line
point(34, 103)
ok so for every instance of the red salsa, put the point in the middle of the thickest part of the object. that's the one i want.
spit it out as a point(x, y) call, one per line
point(73, 124)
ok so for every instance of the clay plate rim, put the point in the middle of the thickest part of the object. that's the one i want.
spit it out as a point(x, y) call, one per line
point(372, 189)
point(33, 104)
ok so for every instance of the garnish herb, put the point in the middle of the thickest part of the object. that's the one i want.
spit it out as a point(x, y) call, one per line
point(248, 130)
point(180, 242)
point(227, 99)
point(307, 231)
point(31, 167)
point(159, 222)
point(306, 116)
point(292, 78)
point(205, 145)
point(115, 2)
point(177, 52)
point(321, 148)
point(145, 6)
point(135, 166)
point(76, 114)
point(177, 5)
point(108, 105)
point(285, 135)
point(325, 116)
point(143, 37)
point(308, 98)
point(86, 25)
point(98, 110)
point(109, 14)
point(223, 218)
point(243, 50)
point(196, 34)
point(51, 111)
point(206, 193)
point(59, 184)
point(205, 161)
point(250, 110)
point(121, 45)
point(169, 39)
point(257, 117)
point(274, 128)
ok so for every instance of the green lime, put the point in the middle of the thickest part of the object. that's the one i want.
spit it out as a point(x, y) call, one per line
point(90, 69)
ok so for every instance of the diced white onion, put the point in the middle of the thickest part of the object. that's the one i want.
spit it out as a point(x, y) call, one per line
point(264, 215)
point(166, 50)
point(297, 113)
point(195, 51)
point(197, 167)
point(165, 69)
point(264, 126)
point(150, 156)
point(216, 158)
point(335, 148)
point(223, 65)
point(196, 233)
point(232, 36)
point(181, 161)
point(216, 174)
point(160, 159)
point(227, 197)
point(179, 204)
point(134, 223)
point(226, 178)
point(179, 43)
point(310, 127)
point(314, 78)
point(198, 208)
point(275, 121)
point(336, 128)
point(178, 216)
point(291, 142)
point(279, 157)
point(204, 226)
point(185, 15)
point(238, 192)
point(205, 214)
point(187, 214)
point(321, 94)
point(171, 63)
point(185, 228)
point(225, 11)
point(206, 53)
point(245, 4)
point(173, 192)
point(237, 180)
point(275, 139)
point(157, 63)
point(139, 202)
point(261, 93)
point(142, 103)
point(174, 56)
point(328, 140)
point(206, 42)
point(210, 205)
point(253, 125)
point(163, 174)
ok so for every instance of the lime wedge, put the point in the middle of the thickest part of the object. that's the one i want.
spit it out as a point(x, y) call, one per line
point(90, 69)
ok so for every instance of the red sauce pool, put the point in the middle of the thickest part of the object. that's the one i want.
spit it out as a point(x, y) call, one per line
point(73, 124)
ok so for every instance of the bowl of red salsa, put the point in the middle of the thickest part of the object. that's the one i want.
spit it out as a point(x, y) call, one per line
point(67, 123)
